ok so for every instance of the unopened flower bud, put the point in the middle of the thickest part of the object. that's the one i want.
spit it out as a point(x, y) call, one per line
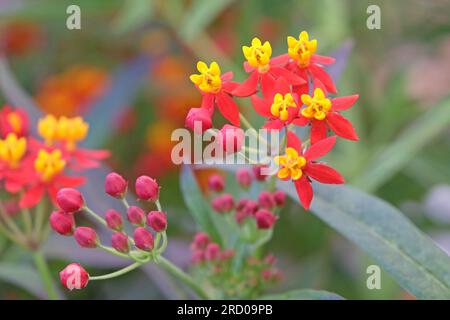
point(198, 256)
point(113, 219)
point(212, 251)
point(157, 220)
point(119, 241)
point(265, 219)
point(231, 138)
point(143, 239)
point(258, 174)
point(198, 120)
point(74, 276)
point(62, 223)
point(147, 189)
point(115, 185)
point(280, 198)
point(69, 200)
point(86, 237)
point(216, 182)
point(200, 242)
point(227, 254)
point(223, 203)
point(244, 178)
point(266, 200)
point(136, 216)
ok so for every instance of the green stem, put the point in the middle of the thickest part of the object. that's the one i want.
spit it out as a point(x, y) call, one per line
point(95, 215)
point(112, 251)
point(40, 215)
point(125, 202)
point(117, 273)
point(158, 205)
point(184, 277)
point(164, 243)
point(42, 267)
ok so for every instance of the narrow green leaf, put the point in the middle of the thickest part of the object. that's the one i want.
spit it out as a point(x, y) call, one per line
point(382, 231)
point(303, 294)
point(134, 14)
point(396, 155)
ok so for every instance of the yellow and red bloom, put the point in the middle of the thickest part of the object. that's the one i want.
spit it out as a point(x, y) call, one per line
point(48, 177)
point(217, 90)
point(264, 70)
point(305, 63)
point(13, 121)
point(323, 113)
point(281, 106)
point(301, 167)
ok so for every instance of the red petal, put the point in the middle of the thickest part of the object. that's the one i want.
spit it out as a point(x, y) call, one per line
point(304, 191)
point(261, 106)
point(323, 173)
point(227, 76)
point(300, 121)
point(229, 86)
point(289, 76)
point(273, 124)
point(318, 84)
point(248, 87)
point(322, 59)
point(68, 181)
point(344, 103)
point(267, 86)
point(319, 73)
point(208, 102)
point(32, 196)
point(318, 131)
point(320, 148)
point(247, 67)
point(303, 89)
point(228, 107)
point(281, 86)
point(280, 60)
point(293, 141)
point(341, 126)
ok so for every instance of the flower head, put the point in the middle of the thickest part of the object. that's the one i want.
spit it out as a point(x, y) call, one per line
point(280, 105)
point(49, 164)
point(258, 54)
point(291, 164)
point(13, 121)
point(12, 149)
point(317, 106)
point(301, 50)
point(208, 80)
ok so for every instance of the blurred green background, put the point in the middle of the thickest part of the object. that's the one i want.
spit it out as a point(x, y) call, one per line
point(401, 72)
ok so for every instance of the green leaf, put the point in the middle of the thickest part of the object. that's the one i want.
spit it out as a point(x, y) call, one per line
point(303, 294)
point(22, 276)
point(392, 158)
point(134, 14)
point(199, 15)
point(198, 206)
point(382, 231)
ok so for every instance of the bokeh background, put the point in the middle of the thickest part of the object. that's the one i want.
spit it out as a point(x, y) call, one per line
point(127, 72)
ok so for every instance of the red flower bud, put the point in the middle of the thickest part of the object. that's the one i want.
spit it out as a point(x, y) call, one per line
point(119, 241)
point(198, 120)
point(115, 185)
point(223, 203)
point(265, 219)
point(143, 239)
point(62, 223)
point(251, 207)
point(244, 178)
point(147, 188)
point(216, 182)
point(257, 173)
point(114, 219)
point(231, 138)
point(198, 257)
point(157, 220)
point(86, 237)
point(69, 200)
point(266, 200)
point(74, 276)
point(212, 251)
point(280, 198)
point(136, 216)
point(200, 242)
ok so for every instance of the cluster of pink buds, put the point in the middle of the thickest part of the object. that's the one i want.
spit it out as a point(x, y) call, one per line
point(147, 245)
point(206, 251)
point(261, 210)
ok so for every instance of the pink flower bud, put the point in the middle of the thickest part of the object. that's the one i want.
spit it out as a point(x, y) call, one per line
point(240, 216)
point(157, 220)
point(270, 259)
point(258, 174)
point(136, 216)
point(223, 203)
point(265, 219)
point(147, 188)
point(244, 178)
point(212, 251)
point(69, 200)
point(86, 237)
point(216, 182)
point(198, 120)
point(198, 257)
point(143, 239)
point(113, 219)
point(200, 242)
point(231, 138)
point(115, 185)
point(280, 198)
point(74, 276)
point(241, 204)
point(251, 207)
point(63, 223)
point(119, 241)
point(270, 275)
point(266, 200)
point(227, 254)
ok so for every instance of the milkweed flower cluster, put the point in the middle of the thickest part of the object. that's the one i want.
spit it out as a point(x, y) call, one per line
point(145, 243)
point(289, 90)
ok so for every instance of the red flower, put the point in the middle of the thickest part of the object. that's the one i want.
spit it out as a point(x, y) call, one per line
point(264, 70)
point(13, 121)
point(322, 113)
point(301, 167)
point(216, 90)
